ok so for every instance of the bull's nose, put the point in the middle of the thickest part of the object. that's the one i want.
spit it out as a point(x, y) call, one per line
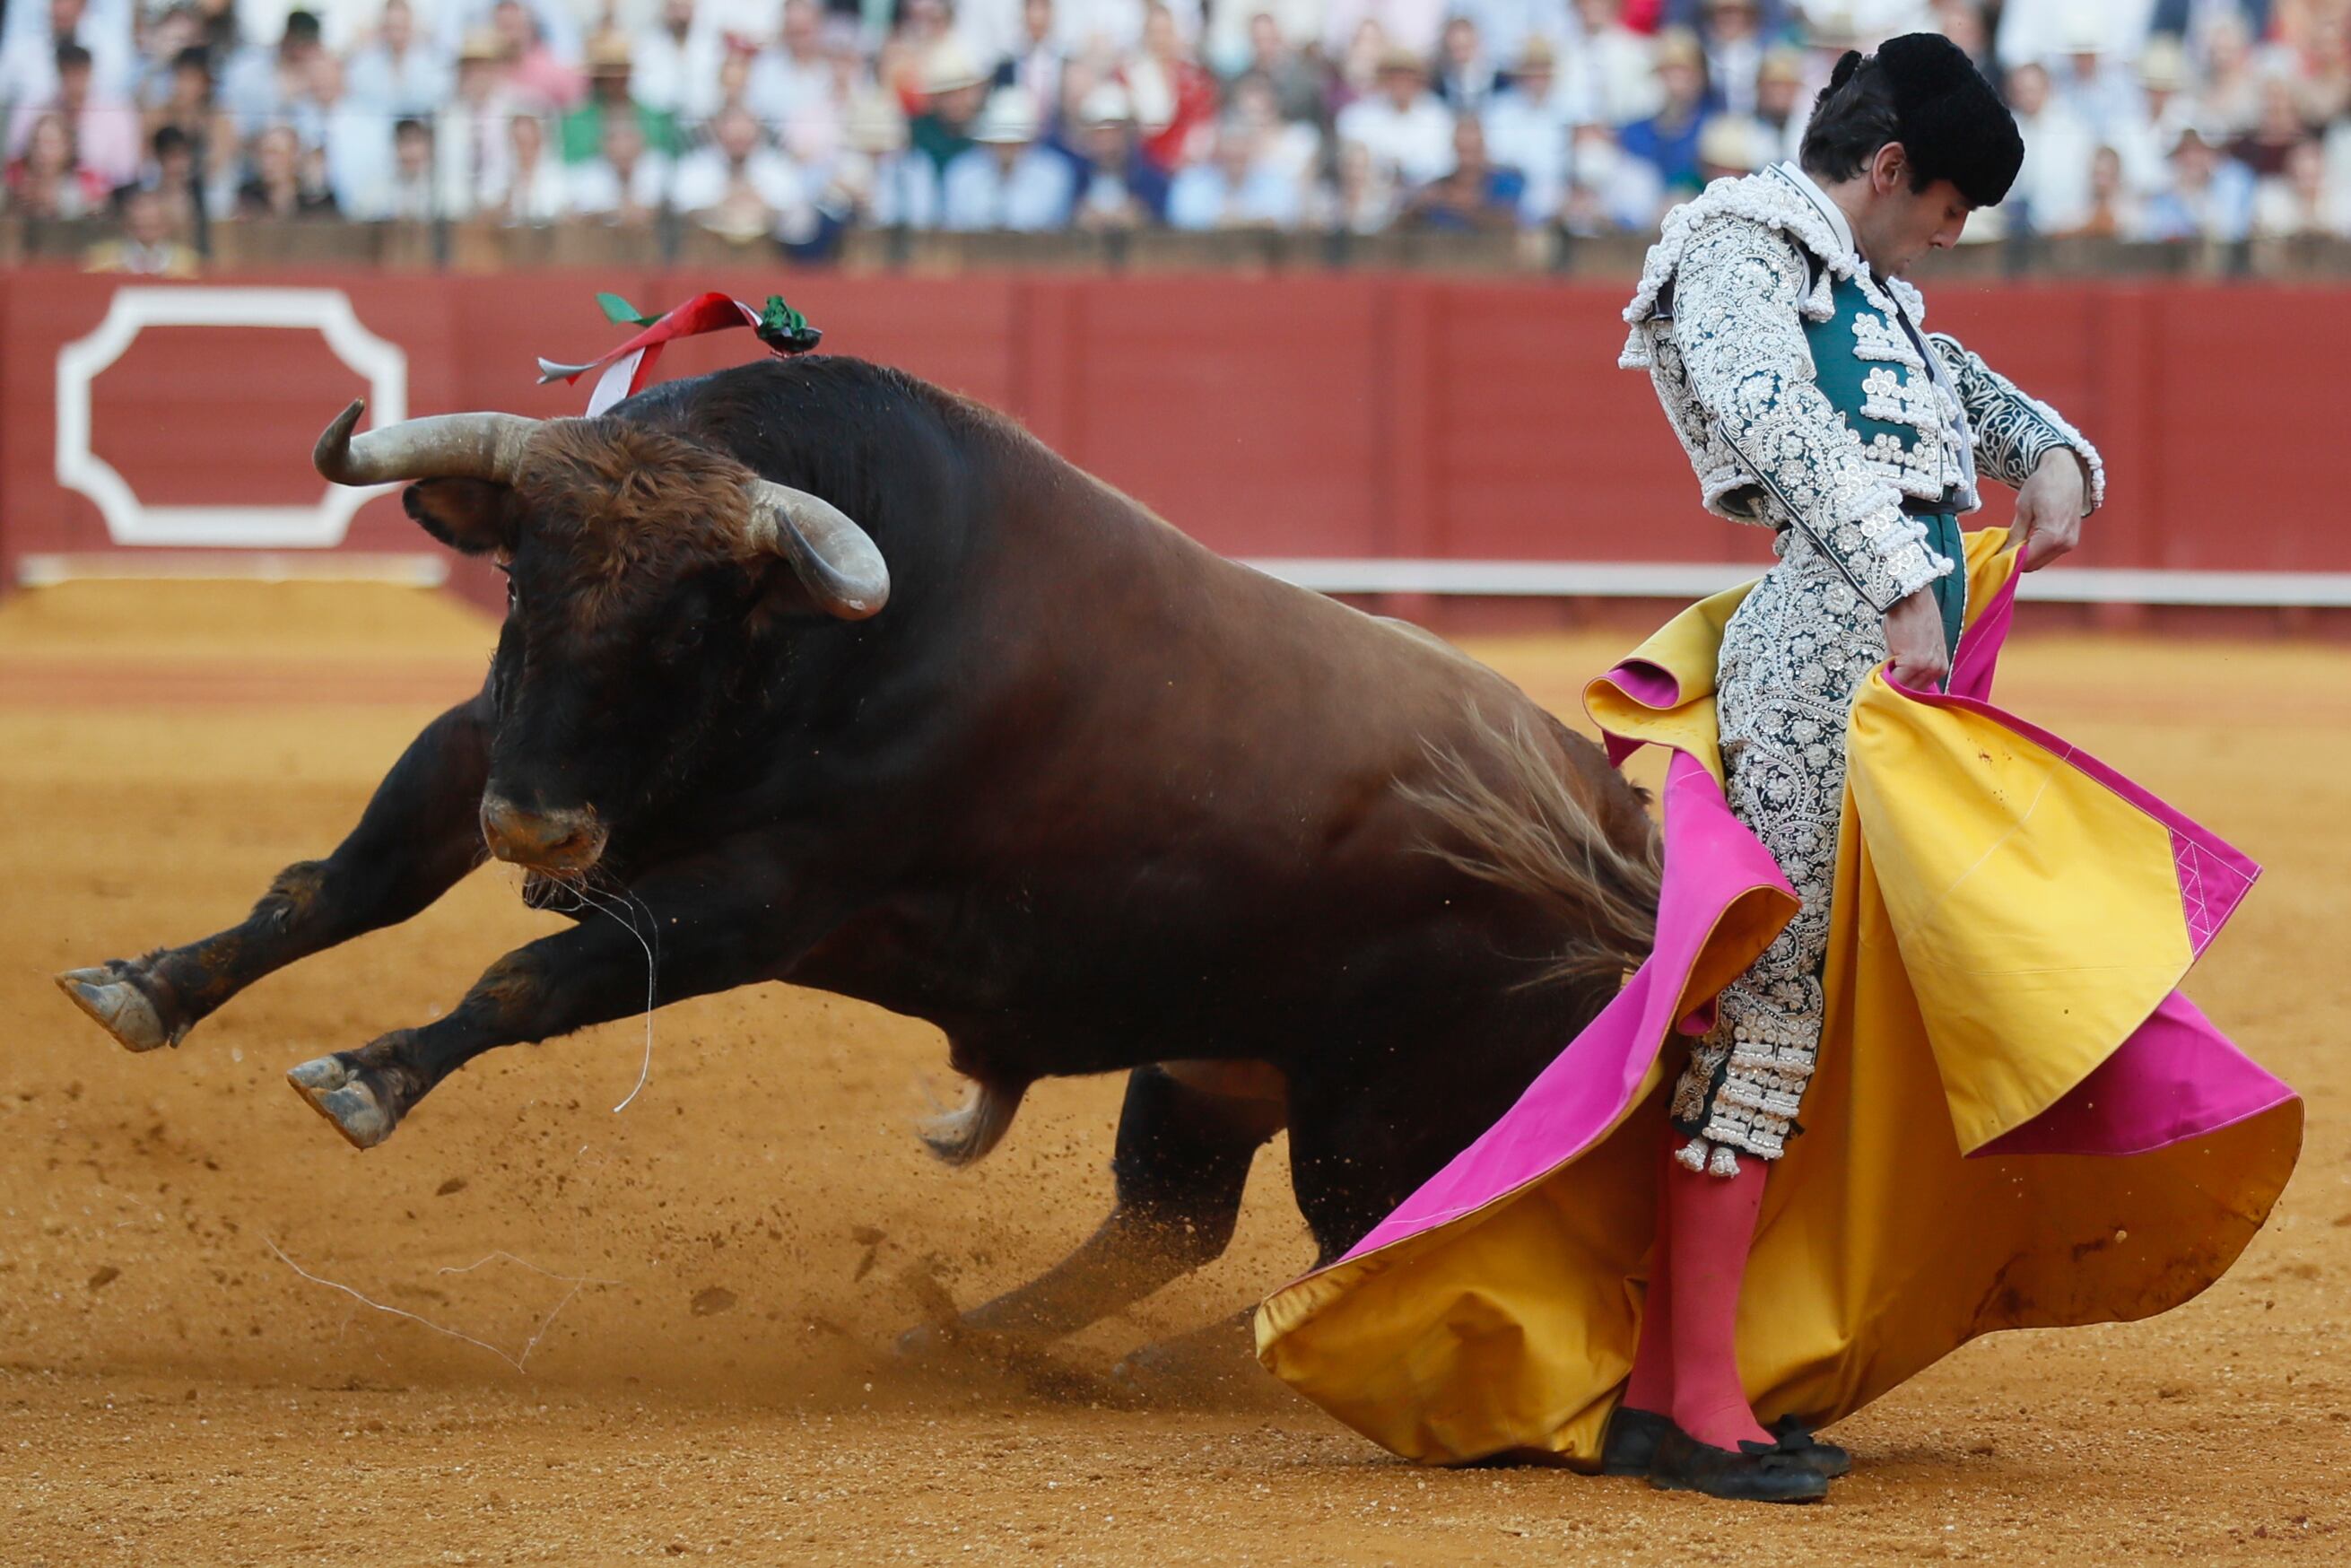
point(564, 839)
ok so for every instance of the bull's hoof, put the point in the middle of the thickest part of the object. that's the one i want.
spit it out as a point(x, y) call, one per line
point(342, 1093)
point(120, 1008)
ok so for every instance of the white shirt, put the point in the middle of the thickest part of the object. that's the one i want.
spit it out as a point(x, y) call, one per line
point(1416, 142)
point(977, 194)
point(596, 184)
point(704, 176)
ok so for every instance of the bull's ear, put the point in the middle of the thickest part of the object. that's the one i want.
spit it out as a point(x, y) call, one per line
point(472, 517)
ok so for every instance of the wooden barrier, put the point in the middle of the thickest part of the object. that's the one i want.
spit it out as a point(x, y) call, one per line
point(1336, 417)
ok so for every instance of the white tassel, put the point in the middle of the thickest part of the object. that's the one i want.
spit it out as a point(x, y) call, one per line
point(1692, 1156)
point(1724, 1163)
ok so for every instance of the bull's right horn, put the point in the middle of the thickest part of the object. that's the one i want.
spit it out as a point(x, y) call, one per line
point(837, 561)
point(441, 446)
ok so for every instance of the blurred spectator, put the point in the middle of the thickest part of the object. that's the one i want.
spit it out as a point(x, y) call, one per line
point(530, 189)
point(2323, 79)
point(1402, 125)
point(1668, 139)
point(739, 187)
point(146, 248)
point(1782, 104)
point(1119, 188)
point(1237, 186)
point(2052, 192)
point(1362, 198)
point(1527, 129)
point(1733, 42)
point(2229, 100)
point(34, 31)
point(581, 132)
point(790, 88)
point(2298, 203)
point(470, 141)
point(1008, 181)
point(1174, 96)
point(398, 75)
point(2041, 30)
point(954, 87)
point(2113, 209)
point(1295, 79)
point(627, 183)
point(534, 72)
point(1608, 190)
point(1411, 25)
point(2266, 148)
point(2210, 196)
point(356, 143)
point(1613, 67)
point(44, 181)
point(175, 174)
point(1473, 196)
point(1292, 146)
point(410, 194)
point(262, 82)
point(1466, 77)
point(1033, 62)
point(2164, 107)
point(285, 184)
point(105, 130)
point(674, 64)
point(1732, 146)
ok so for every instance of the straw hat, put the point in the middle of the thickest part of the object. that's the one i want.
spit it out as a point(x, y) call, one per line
point(607, 54)
point(950, 67)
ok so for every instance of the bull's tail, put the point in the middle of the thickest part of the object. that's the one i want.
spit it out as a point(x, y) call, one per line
point(964, 1135)
point(1564, 830)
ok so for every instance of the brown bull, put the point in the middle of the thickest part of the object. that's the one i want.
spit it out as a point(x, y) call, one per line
point(1085, 795)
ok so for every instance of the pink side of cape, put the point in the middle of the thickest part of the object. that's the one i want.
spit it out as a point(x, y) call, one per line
point(2175, 1078)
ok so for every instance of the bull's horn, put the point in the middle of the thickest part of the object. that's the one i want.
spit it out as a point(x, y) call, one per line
point(836, 560)
point(442, 446)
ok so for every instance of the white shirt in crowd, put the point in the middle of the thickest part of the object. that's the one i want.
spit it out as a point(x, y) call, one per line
point(704, 178)
point(1530, 134)
point(596, 187)
point(2054, 178)
point(977, 194)
point(1416, 142)
point(28, 55)
point(1408, 24)
point(1205, 197)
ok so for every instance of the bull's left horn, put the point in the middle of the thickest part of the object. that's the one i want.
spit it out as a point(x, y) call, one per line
point(441, 446)
point(835, 559)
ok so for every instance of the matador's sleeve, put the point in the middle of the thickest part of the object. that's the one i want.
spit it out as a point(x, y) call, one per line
point(1735, 324)
point(2013, 432)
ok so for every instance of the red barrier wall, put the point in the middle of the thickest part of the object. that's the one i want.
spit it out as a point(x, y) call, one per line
point(1344, 415)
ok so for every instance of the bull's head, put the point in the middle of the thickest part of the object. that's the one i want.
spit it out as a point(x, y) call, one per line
point(640, 565)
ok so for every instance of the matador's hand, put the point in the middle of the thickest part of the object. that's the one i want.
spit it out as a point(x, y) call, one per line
point(1916, 654)
point(2049, 508)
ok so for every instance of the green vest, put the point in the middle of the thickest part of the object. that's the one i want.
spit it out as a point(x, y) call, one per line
point(1861, 362)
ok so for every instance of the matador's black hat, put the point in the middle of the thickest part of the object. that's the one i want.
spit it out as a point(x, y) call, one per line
point(1950, 122)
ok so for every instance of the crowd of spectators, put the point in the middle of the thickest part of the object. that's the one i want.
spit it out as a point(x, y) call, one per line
point(788, 121)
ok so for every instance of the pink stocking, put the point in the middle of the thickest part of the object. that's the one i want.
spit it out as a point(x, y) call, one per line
point(1651, 1386)
point(1709, 1226)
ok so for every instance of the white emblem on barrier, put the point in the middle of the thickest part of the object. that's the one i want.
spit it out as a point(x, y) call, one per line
point(131, 521)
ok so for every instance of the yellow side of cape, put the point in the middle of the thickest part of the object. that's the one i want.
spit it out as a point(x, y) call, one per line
point(2003, 921)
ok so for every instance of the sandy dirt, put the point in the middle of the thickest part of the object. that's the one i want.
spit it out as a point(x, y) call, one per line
point(704, 1289)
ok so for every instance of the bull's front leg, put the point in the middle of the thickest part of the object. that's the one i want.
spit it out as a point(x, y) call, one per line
point(712, 924)
point(419, 833)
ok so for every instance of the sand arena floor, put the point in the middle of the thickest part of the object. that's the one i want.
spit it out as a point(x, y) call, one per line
point(758, 1227)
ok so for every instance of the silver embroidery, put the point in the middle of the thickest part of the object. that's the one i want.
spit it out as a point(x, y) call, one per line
point(1793, 655)
point(2013, 432)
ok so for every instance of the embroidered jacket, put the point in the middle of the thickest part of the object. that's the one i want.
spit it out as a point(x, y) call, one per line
point(1726, 321)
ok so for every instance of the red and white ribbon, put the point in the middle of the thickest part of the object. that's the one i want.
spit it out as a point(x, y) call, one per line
point(630, 368)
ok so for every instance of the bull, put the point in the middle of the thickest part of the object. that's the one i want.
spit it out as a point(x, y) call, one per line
point(1086, 796)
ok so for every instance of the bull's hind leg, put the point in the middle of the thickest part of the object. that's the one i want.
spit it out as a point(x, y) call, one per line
point(1186, 1136)
point(418, 835)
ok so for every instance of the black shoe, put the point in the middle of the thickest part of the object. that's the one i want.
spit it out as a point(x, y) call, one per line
point(1629, 1445)
point(1796, 1439)
point(1758, 1472)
